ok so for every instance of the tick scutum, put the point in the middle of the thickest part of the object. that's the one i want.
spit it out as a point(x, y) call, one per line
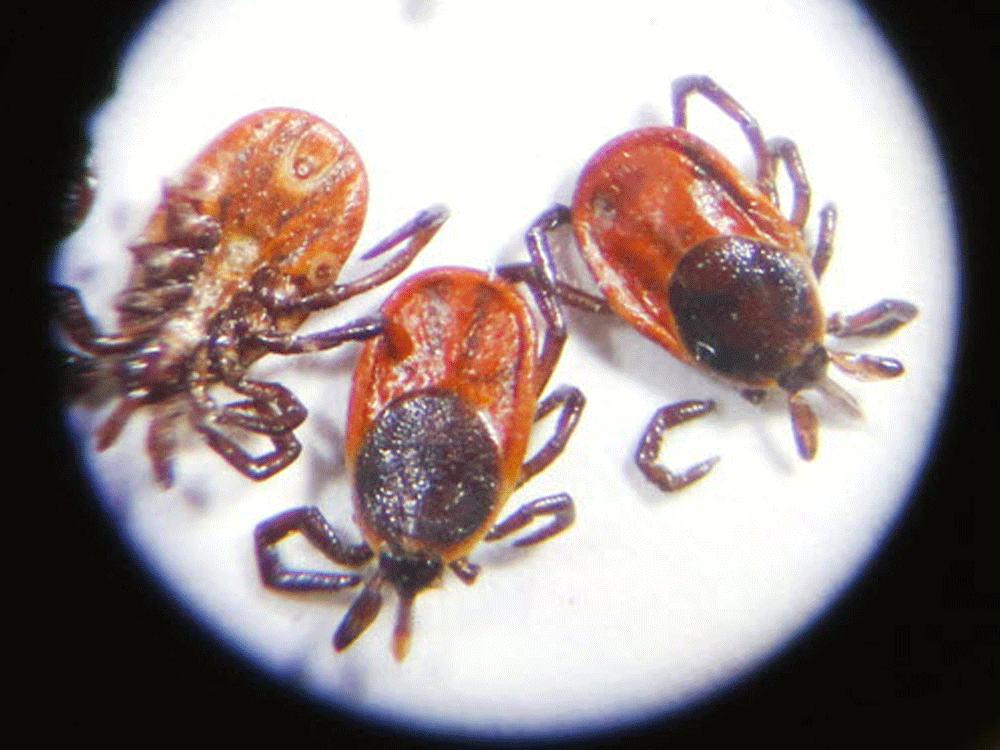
point(427, 474)
point(746, 309)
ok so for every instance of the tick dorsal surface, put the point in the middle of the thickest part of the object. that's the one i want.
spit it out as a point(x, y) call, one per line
point(426, 477)
point(746, 310)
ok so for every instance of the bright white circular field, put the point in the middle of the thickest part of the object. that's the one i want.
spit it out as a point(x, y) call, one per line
point(650, 600)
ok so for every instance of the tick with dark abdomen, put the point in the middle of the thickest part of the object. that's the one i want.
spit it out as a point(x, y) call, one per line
point(700, 259)
point(442, 406)
point(241, 250)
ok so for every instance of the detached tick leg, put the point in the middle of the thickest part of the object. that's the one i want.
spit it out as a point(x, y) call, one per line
point(646, 456)
point(309, 522)
point(560, 507)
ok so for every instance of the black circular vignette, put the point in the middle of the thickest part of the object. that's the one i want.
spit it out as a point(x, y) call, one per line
point(906, 659)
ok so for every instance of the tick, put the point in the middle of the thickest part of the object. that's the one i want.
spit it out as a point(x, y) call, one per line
point(241, 250)
point(700, 259)
point(442, 406)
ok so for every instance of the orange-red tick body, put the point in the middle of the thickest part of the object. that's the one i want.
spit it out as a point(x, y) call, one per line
point(442, 406)
point(700, 259)
point(244, 246)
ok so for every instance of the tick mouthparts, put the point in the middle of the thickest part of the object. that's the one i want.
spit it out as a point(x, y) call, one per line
point(404, 628)
point(363, 611)
point(839, 396)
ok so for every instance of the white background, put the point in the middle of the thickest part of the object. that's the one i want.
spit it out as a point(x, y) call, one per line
point(649, 600)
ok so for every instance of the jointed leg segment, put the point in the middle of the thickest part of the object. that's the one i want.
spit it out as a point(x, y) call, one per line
point(314, 527)
point(666, 418)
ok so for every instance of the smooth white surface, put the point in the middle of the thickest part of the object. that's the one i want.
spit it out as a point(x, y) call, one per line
point(649, 600)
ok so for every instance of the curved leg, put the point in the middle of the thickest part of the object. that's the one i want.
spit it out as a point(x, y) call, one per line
point(272, 409)
point(361, 329)
point(664, 419)
point(309, 522)
point(418, 231)
point(543, 267)
point(684, 87)
point(572, 401)
point(72, 318)
point(560, 507)
point(540, 278)
point(824, 243)
point(785, 151)
point(286, 450)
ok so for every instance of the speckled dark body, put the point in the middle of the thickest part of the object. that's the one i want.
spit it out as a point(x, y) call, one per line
point(441, 410)
point(428, 473)
point(745, 309)
point(700, 259)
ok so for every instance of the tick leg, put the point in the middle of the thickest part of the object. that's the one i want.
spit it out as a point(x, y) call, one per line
point(286, 450)
point(362, 612)
point(572, 401)
point(465, 570)
point(271, 410)
point(570, 295)
point(582, 300)
point(418, 231)
point(805, 426)
point(824, 243)
point(112, 427)
point(153, 301)
point(540, 278)
point(880, 319)
point(361, 329)
point(867, 367)
point(785, 151)
point(162, 262)
point(684, 87)
point(665, 418)
point(72, 318)
point(560, 507)
point(541, 272)
point(314, 527)
point(161, 442)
